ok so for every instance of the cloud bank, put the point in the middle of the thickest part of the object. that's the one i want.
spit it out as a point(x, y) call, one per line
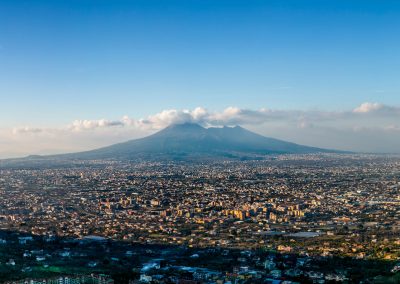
point(369, 127)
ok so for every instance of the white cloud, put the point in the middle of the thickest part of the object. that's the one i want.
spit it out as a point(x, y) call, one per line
point(79, 125)
point(167, 117)
point(26, 129)
point(368, 107)
point(235, 116)
point(377, 108)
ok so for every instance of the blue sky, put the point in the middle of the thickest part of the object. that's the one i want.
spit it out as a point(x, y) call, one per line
point(66, 60)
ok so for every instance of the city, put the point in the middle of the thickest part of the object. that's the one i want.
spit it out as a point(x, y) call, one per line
point(313, 208)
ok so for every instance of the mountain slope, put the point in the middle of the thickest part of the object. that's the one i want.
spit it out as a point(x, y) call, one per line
point(192, 140)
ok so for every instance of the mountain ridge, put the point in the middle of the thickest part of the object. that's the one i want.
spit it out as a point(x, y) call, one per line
point(191, 141)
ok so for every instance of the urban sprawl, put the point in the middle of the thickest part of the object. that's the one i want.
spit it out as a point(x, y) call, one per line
point(288, 218)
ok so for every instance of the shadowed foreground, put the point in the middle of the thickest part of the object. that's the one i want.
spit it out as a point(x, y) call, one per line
point(27, 256)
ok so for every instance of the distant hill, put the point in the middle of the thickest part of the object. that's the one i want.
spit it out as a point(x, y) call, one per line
point(186, 141)
point(190, 140)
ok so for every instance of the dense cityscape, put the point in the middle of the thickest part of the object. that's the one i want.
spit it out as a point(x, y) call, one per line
point(285, 218)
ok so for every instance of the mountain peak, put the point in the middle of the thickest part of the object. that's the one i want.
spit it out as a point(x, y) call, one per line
point(196, 126)
point(185, 125)
point(182, 129)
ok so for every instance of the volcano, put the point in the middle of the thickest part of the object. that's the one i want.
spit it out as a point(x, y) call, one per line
point(191, 140)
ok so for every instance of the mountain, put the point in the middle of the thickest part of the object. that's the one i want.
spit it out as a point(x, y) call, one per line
point(189, 141)
point(186, 141)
